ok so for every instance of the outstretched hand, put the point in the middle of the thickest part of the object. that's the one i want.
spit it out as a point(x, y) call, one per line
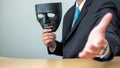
point(96, 40)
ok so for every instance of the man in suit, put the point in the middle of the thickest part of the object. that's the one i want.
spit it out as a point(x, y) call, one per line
point(89, 36)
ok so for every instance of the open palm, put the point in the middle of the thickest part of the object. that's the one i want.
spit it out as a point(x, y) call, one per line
point(96, 39)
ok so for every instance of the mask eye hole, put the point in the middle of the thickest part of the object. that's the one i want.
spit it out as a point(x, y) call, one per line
point(40, 15)
point(51, 15)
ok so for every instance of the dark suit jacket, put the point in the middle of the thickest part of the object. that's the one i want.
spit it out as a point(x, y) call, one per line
point(117, 3)
point(74, 39)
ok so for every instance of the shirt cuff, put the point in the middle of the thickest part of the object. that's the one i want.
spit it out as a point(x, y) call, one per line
point(105, 52)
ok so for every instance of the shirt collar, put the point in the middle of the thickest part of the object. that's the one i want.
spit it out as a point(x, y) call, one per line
point(81, 5)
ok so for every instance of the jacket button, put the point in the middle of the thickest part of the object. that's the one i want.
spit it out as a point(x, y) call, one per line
point(117, 49)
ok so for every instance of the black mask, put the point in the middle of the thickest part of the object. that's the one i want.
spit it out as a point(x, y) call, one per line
point(49, 15)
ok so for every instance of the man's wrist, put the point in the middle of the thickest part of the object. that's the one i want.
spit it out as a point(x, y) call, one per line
point(105, 52)
point(52, 48)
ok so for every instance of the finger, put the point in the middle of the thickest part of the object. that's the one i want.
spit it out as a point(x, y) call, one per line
point(48, 34)
point(48, 42)
point(86, 54)
point(89, 52)
point(105, 22)
point(47, 30)
point(49, 37)
point(94, 49)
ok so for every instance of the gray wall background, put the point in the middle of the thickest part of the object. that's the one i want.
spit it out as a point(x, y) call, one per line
point(20, 33)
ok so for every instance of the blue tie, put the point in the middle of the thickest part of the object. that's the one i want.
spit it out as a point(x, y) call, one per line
point(77, 11)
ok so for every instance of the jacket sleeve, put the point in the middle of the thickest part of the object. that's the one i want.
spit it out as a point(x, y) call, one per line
point(59, 49)
point(112, 32)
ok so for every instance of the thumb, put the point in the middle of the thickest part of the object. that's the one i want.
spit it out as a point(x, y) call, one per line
point(105, 22)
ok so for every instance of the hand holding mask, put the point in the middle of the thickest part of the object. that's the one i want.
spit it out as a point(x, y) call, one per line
point(49, 15)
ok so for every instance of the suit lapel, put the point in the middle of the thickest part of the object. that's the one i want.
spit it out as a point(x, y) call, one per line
point(68, 22)
point(82, 14)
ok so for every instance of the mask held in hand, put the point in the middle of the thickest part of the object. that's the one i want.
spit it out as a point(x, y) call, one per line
point(49, 15)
